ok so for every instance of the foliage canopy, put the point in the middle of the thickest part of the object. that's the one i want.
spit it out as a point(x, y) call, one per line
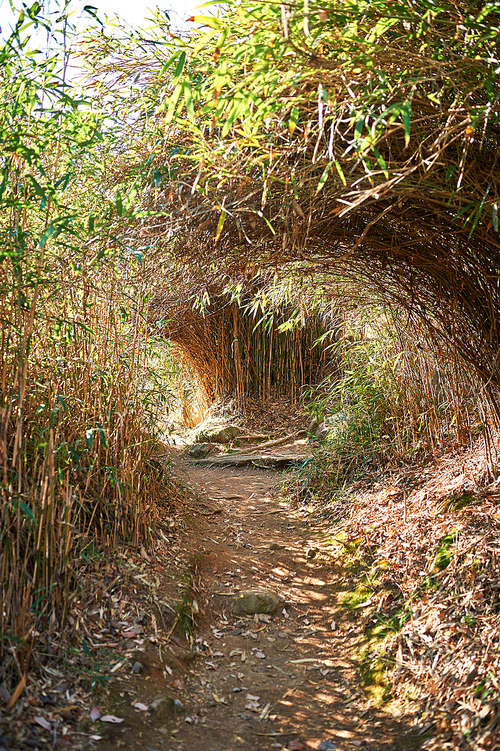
point(352, 138)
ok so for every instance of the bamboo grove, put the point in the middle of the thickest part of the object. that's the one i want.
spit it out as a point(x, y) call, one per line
point(76, 413)
point(161, 184)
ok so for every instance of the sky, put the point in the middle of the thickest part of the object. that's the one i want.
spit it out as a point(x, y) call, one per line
point(133, 12)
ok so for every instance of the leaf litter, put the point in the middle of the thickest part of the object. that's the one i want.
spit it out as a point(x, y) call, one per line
point(430, 539)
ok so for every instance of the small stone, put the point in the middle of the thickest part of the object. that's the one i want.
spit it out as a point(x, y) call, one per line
point(275, 546)
point(244, 716)
point(327, 745)
point(256, 601)
point(137, 667)
point(311, 553)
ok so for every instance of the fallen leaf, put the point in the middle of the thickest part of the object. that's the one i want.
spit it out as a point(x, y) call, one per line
point(139, 705)
point(219, 699)
point(94, 714)
point(112, 718)
point(252, 698)
point(295, 746)
point(17, 693)
point(43, 723)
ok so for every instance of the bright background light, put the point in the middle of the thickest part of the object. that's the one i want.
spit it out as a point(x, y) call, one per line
point(132, 12)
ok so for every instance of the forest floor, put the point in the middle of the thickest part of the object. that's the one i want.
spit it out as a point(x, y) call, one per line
point(284, 680)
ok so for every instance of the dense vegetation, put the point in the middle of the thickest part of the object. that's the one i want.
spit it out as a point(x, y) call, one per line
point(323, 170)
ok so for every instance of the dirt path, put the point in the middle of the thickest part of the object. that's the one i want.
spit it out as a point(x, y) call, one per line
point(269, 682)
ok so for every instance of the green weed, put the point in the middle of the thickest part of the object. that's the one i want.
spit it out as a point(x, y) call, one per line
point(375, 671)
point(444, 553)
point(187, 608)
point(459, 502)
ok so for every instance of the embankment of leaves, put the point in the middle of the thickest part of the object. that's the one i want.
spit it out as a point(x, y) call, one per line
point(424, 549)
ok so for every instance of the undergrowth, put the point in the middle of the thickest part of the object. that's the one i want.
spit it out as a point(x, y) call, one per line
point(398, 399)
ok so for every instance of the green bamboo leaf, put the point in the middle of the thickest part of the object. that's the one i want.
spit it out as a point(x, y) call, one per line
point(119, 204)
point(62, 402)
point(406, 112)
point(46, 235)
point(220, 224)
point(102, 435)
point(172, 103)
point(479, 211)
point(450, 172)
point(27, 510)
point(237, 108)
point(180, 67)
point(38, 189)
point(89, 434)
point(323, 178)
point(292, 122)
point(267, 222)
point(359, 128)
point(380, 159)
point(211, 21)
point(341, 174)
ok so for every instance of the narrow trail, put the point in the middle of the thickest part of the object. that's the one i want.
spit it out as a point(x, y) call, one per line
point(285, 680)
